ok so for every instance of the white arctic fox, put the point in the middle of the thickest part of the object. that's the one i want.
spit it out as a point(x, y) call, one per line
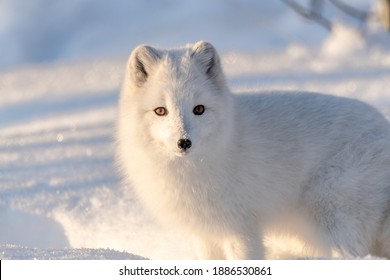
point(226, 168)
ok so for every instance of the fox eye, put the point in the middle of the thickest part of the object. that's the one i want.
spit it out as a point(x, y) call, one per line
point(198, 110)
point(161, 111)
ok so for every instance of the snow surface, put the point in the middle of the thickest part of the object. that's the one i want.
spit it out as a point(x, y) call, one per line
point(60, 193)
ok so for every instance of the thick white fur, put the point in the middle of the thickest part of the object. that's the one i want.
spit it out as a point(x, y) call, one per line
point(303, 164)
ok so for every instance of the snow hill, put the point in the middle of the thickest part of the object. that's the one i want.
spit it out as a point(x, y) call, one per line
point(60, 192)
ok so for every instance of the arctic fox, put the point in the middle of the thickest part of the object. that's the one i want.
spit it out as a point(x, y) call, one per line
point(227, 168)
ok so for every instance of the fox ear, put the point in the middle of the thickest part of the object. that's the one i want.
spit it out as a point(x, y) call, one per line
point(141, 63)
point(207, 57)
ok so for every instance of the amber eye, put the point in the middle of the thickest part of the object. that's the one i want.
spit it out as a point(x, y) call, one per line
point(198, 110)
point(161, 111)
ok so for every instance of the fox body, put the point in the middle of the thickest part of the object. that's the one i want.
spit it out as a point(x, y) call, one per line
point(226, 168)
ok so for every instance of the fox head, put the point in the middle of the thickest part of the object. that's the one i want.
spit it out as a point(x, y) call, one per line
point(177, 100)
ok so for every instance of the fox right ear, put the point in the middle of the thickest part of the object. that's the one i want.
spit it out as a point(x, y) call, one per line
point(141, 63)
point(208, 58)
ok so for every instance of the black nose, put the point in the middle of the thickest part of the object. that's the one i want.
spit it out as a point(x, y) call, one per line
point(184, 144)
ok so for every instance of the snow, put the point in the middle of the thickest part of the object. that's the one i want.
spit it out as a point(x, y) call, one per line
point(60, 192)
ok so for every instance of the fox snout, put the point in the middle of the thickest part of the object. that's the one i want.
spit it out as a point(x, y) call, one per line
point(184, 144)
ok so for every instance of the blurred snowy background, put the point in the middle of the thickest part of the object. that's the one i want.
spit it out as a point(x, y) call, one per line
point(61, 65)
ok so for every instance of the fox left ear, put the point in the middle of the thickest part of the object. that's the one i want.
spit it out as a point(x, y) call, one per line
point(207, 57)
point(141, 63)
